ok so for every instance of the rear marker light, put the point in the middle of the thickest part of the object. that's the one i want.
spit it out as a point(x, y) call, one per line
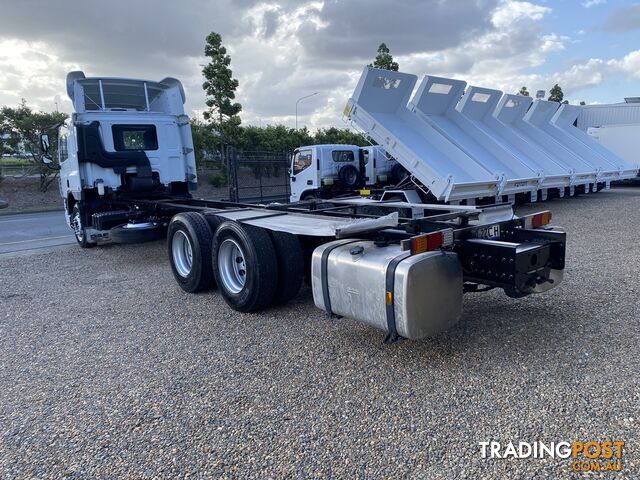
point(428, 242)
point(538, 220)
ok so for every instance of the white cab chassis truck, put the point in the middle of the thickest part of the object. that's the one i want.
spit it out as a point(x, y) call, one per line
point(622, 139)
point(126, 170)
point(328, 171)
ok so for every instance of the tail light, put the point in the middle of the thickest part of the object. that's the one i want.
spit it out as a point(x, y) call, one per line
point(537, 220)
point(428, 242)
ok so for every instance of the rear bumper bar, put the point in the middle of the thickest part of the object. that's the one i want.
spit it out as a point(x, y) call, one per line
point(520, 261)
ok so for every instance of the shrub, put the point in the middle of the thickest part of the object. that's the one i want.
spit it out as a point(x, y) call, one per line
point(220, 180)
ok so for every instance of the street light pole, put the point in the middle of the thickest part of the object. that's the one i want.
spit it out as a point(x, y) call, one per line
point(298, 101)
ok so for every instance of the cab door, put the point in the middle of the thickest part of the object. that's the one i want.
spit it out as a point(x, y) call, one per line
point(70, 181)
point(304, 174)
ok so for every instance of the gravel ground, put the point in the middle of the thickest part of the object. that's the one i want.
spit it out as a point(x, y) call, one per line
point(109, 370)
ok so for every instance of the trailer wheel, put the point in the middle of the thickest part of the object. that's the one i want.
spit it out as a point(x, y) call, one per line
point(245, 266)
point(189, 246)
point(137, 232)
point(290, 265)
point(349, 176)
point(78, 229)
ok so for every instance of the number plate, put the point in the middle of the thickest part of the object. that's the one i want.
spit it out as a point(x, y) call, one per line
point(492, 231)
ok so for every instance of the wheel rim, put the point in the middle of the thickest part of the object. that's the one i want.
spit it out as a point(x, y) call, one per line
point(351, 177)
point(76, 224)
point(182, 253)
point(232, 266)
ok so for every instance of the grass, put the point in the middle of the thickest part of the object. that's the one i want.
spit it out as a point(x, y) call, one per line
point(14, 161)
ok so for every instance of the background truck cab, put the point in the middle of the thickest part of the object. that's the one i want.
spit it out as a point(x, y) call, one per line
point(126, 138)
point(323, 171)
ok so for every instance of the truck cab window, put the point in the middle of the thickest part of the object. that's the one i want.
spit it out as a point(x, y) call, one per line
point(134, 137)
point(63, 151)
point(301, 160)
point(342, 156)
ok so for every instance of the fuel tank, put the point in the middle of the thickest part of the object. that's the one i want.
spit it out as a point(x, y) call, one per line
point(383, 286)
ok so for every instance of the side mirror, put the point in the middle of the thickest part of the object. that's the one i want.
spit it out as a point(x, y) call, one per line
point(44, 143)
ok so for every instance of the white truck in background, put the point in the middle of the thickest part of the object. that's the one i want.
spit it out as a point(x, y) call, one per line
point(623, 140)
point(616, 126)
point(328, 171)
point(126, 171)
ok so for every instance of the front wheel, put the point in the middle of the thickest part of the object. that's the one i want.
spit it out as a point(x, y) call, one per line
point(245, 266)
point(79, 231)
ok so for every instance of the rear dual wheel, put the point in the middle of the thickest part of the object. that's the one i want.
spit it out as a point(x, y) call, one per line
point(189, 238)
point(245, 266)
point(253, 267)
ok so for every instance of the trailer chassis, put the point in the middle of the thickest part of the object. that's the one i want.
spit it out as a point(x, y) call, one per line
point(512, 254)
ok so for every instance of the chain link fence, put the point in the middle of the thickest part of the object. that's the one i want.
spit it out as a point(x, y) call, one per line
point(258, 176)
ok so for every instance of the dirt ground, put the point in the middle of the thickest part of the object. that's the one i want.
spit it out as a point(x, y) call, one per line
point(23, 195)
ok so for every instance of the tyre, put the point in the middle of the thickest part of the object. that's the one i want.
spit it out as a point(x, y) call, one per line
point(290, 265)
point(79, 231)
point(189, 239)
point(398, 173)
point(245, 266)
point(308, 196)
point(137, 232)
point(214, 222)
point(349, 176)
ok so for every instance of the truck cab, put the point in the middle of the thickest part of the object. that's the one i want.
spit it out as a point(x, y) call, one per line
point(126, 138)
point(323, 171)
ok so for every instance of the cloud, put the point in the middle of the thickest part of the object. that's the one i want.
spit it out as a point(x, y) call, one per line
point(285, 49)
point(593, 3)
point(623, 19)
point(351, 31)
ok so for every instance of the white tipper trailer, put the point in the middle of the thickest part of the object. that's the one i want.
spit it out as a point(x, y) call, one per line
point(478, 146)
point(127, 171)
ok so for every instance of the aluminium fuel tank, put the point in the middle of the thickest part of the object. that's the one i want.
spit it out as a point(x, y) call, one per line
point(357, 279)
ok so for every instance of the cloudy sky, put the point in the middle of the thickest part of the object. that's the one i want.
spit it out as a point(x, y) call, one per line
point(284, 49)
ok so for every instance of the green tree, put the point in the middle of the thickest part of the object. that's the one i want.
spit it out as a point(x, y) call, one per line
point(21, 128)
point(220, 87)
point(340, 136)
point(523, 91)
point(556, 94)
point(206, 142)
point(274, 138)
point(384, 59)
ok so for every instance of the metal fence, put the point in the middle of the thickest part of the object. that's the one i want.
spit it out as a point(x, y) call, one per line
point(25, 170)
point(258, 176)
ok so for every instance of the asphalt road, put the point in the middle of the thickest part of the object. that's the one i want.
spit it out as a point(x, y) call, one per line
point(109, 370)
point(33, 232)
